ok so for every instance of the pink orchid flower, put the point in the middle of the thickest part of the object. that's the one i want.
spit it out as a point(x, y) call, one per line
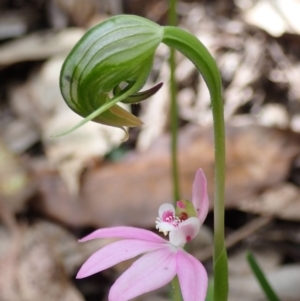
point(162, 259)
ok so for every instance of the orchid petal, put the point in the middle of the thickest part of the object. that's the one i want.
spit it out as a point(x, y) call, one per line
point(200, 197)
point(124, 232)
point(186, 231)
point(166, 220)
point(165, 208)
point(150, 272)
point(115, 253)
point(192, 277)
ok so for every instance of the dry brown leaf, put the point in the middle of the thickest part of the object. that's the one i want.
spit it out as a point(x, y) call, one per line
point(276, 17)
point(79, 11)
point(34, 271)
point(155, 112)
point(274, 115)
point(16, 185)
point(85, 12)
point(19, 135)
point(13, 24)
point(249, 69)
point(281, 201)
point(39, 46)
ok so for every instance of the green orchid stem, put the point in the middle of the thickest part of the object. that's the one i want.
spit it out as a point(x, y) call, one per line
point(172, 16)
point(192, 48)
point(174, 128)
point(174, 110)
point(176, 289)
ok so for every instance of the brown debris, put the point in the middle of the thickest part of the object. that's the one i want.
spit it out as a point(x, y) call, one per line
point(33, 270)
point(123, 193)
point(282, 201)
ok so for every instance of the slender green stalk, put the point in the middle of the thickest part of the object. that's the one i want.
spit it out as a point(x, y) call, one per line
point(176, 292)
point(174, 109)
point(192, 48)
point(172, 20)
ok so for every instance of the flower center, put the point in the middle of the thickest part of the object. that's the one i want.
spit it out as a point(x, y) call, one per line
point(167, 222)
point(169, 217)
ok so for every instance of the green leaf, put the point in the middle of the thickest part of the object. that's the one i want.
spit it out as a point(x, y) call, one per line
point(261, 278)
point(220, 277)
point(210, 291)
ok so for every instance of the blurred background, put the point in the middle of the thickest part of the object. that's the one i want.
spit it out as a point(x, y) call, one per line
point(56, 190)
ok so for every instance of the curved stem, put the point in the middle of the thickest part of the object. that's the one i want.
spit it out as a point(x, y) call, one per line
point(192, 48)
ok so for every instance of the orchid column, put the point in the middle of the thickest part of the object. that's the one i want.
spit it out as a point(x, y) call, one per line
point(111, 63)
